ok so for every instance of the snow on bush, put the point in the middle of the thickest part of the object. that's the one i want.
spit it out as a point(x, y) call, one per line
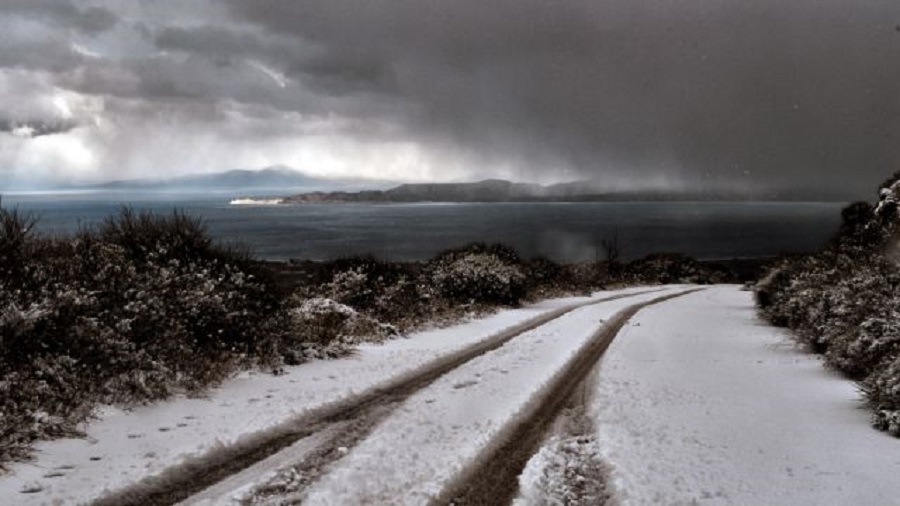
point(883, 391)
point(351, 285)
point(862, 348)
point(478, 278)
point(670, 268)
point(888, 208)
point(324, 327)
point(380, 290)
point(134, 311)
point(385, 291)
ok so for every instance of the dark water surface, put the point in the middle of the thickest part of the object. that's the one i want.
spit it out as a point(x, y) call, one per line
point(562, 231)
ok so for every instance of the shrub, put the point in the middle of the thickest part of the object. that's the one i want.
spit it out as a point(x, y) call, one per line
point(670, 268)
point(144, 234)
point(325, 327)
point(860, 349)
point(382, 290)
point(478, 277)
point(882, 388)
point(856, 231)
point(140, 308)
point(545, 278)
point(15, 231)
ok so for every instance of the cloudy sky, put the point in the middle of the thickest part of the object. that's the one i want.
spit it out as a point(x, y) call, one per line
point(635, 93)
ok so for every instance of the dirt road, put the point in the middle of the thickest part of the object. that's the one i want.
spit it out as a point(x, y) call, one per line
point(494, 479)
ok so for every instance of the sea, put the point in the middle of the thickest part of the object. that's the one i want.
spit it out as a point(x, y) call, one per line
point(565, 232)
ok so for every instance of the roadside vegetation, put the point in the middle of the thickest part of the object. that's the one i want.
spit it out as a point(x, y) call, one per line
point(844, 302)
point(144, 306)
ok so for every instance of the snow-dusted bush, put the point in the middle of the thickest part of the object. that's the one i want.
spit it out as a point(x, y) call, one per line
point(380, 290)
point(546, 278)
point(15, 229)
point(322, 327)
point(385, 291)
point(405, 295)
point(861, 348)
point(670, 268)
point(141, 308)
point(350, 285)
point(478, 278)
point(882, 389)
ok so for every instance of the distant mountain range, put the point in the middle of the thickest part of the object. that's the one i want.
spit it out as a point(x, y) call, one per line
point(278, 181)
point(498, 190)
point(271, 180)
point(273, 177)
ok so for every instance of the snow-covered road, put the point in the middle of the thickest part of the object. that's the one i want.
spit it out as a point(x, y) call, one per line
point(700, 402)
point(696, 401)
point(426, 445)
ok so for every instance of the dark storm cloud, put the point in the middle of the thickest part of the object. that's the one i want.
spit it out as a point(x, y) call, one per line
point(758, 93)
point(784, 93)
point(46, 54)
point(64, 14)
point(321, 70)
point(227, 43)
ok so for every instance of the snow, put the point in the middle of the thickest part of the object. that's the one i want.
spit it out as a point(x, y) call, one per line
point(441, 430)
point(255, 202)
point(700, 402)
point(124, 447)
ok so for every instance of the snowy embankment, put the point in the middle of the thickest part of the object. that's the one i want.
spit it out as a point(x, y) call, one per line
point(700, 402)
point(124, 447)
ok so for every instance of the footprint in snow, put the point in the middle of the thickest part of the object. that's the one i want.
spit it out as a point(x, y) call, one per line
point(54, 474)
point(32, 489)
point(181, 425)
point(135, 436)
point(165, 429)
point(464, 384)
point(95, 459)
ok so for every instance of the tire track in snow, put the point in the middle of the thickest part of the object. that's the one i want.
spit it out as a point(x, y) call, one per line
point(291, 482)
point(568, 468)
point(493, 479)
point(365, 410)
